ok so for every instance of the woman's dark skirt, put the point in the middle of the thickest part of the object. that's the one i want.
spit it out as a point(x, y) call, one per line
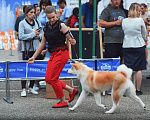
point(135, 58)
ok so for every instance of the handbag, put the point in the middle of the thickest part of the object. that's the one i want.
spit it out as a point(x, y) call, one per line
point(27, 50)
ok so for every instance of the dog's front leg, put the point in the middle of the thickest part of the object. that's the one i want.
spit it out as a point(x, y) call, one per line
point(82, 96)
point(98, 100)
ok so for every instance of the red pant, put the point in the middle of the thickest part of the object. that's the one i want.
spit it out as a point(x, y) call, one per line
point(55, 65)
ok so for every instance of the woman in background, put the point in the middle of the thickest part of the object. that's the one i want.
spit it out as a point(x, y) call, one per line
point(37, 9)
point(134, 43)
point(30, 36)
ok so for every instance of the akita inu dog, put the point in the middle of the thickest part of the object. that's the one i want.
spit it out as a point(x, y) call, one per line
point(98, 81)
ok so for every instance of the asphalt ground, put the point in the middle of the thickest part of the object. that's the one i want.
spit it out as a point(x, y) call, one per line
point(37, 107)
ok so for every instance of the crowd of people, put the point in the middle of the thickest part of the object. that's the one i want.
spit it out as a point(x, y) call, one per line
point(42, 34)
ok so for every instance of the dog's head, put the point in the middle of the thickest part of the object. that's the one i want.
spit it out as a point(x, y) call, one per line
point(75, 68)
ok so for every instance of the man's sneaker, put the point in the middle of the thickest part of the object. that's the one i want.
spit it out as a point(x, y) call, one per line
point(139, 92)
point(23, 94)
point(32, 92)
point(75, 92)
point(60, 105)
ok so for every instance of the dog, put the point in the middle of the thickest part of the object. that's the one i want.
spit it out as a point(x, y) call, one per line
point(98, 81)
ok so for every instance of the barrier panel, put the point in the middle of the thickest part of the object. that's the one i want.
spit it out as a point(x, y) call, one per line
point(13, 71)
point(2, 70)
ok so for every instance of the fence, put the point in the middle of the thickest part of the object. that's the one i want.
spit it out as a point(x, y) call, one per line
point(21, 70)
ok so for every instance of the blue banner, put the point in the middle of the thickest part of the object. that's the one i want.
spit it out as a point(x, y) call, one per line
point(108, 65)
point(38, 69)
point(17, 70)
point(2, 70)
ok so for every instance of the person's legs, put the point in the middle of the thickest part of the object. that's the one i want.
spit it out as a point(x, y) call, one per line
point(23, 84)
point(55, 65)
point(138, 78)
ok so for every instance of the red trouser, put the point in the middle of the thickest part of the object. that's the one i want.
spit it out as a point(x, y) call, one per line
point(55, 65)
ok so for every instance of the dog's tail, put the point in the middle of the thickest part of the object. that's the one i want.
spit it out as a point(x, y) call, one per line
point(125, 70)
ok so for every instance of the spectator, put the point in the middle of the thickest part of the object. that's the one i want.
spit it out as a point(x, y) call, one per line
point(38, 10)
point(133, 43)
point(87, 14)
point(30, 35)
point(144, 15)
point(110, 19)
point(113, 35)
point(67, 12)
point(20, 18)
point(42, 17)
point(55, 33)
point(74, 23)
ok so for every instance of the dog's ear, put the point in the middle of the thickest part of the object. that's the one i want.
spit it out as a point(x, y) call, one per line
point(74, 65)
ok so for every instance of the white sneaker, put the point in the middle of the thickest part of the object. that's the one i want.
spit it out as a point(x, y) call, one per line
point(32, 91)
point(23, 94)
point(35, 88)
point(42, 83)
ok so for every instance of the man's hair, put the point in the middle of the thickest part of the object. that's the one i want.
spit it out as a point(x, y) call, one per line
point(144, 5)
point(133, 10)
point(28, 8)
point(49, 9)
point(48, 2)
point(61, 1)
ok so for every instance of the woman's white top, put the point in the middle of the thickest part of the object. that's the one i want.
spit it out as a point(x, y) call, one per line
point(134, 32)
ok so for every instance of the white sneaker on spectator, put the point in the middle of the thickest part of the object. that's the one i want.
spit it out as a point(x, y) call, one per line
point(23, 94)
point(35, 88)
point(42, 83)
point(32, 91)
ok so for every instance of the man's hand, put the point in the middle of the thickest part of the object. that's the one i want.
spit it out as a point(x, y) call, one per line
point(118, 22)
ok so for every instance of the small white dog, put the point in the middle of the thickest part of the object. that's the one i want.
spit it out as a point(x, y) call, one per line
point(98, 81)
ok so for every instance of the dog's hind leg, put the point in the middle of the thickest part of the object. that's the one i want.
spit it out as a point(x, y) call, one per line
point(82, 96)
point(115, 97)
point(132, 94)
point(98, 100)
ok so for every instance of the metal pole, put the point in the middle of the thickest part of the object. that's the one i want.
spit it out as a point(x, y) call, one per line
point(94, 27)
point(80, 32)
point(7, 99)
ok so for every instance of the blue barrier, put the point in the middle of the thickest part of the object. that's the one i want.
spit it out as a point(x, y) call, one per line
point(22, 71)
point(38, 69)
point(3, 70)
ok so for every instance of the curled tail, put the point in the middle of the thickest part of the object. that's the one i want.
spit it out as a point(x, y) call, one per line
point(125, 70)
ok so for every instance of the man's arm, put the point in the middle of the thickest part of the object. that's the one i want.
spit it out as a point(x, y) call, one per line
point(105, 24)
point(82, 21)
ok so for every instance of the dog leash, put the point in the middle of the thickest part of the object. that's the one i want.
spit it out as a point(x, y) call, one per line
point(73, 45)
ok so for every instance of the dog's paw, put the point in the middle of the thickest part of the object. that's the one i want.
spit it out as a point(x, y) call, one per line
point(71, 109)
point(109, 112)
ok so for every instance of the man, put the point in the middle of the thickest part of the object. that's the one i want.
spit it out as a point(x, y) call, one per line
point(87, 14)
point(111, 20)
point(67, 12)
point(20, 18)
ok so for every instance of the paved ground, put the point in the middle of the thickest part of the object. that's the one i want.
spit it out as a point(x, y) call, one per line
point(37, 107)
